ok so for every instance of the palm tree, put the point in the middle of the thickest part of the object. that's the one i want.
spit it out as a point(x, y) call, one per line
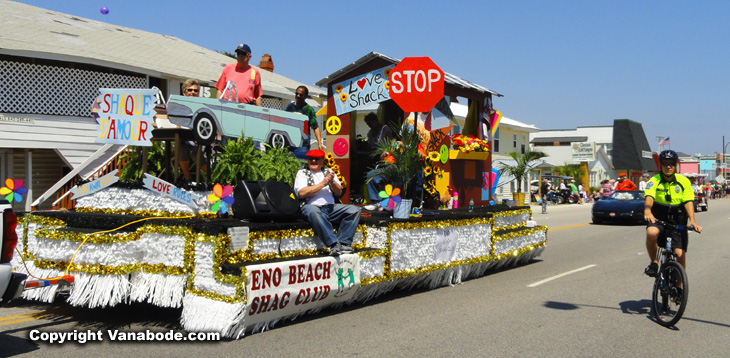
point(571, 170)
point(521, 167)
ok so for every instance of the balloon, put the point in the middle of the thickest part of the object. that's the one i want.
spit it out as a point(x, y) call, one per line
point(104, 10)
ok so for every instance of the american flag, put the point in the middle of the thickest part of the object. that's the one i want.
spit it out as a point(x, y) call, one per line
point(665, 141)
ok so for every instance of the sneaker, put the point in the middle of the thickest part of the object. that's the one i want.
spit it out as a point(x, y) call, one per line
point(336, 250)
point(372, 207)
point(651, 270)
point(347, 250)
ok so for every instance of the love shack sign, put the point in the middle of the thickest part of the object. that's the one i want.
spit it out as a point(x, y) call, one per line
point(126, 116)
point(358, 92)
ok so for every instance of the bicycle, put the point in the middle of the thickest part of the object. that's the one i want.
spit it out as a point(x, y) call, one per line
point(668, 300)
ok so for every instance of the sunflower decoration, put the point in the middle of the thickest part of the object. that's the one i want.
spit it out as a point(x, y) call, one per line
point(335, 168)
point(387, 84)
point(434, 156)
point(343, 97)
point(330, 159)
point(338, 88)
point(431, 191)
point(387, 72)
point(427, 171)
point(438, 171)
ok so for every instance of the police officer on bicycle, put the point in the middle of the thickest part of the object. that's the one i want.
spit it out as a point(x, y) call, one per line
point(669, 197)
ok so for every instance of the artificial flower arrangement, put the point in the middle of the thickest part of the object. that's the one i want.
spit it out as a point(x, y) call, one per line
point(469, 143)
point(404, 162)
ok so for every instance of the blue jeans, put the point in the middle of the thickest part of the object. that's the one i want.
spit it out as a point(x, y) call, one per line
point(375, 186)
point(322, 217)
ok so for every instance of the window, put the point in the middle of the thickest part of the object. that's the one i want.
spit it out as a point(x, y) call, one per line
point(523, 149)
point(496, 141)
point(514, 141)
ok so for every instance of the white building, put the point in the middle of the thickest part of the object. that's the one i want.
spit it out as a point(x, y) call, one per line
point(52, 66)
point(620, 148)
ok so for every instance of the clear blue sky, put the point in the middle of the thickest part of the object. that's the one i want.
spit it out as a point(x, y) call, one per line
point(559, 64)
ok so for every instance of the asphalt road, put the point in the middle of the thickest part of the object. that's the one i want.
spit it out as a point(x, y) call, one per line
point(585, 296)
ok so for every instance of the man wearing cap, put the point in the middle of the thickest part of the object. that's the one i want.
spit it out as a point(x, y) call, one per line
point(624, 184)
point(319, 186)
point(246, 78)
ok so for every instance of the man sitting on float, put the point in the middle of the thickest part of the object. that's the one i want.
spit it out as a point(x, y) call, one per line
point(319, 186)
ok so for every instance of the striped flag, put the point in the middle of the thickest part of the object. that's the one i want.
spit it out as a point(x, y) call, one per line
point(496, 117)
point(665, 141)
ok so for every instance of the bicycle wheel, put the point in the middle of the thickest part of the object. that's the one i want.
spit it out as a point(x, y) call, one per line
point(668, 300)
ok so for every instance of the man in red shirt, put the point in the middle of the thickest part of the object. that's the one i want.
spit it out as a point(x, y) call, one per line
point(245, 76)
point(624, 184)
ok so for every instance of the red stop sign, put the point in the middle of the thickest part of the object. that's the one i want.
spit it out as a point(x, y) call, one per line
point(416, 84)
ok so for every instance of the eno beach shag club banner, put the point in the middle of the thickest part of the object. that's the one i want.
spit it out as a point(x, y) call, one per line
point(358, 92)
point(290, 287)
point(126, 116)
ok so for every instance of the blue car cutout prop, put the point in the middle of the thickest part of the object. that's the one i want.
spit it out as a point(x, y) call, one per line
point(208, 117)
point(619, 206)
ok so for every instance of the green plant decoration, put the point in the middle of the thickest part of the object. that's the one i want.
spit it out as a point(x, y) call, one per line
point(403, 165)
point(236, 161)
point(132, 170)
point(278, 164)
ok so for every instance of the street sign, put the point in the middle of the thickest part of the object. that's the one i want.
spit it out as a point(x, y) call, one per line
point(416, 84)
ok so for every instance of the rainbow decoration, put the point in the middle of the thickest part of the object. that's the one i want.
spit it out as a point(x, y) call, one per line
point(221, 196)
point(13, 189)
point(391, 196)
point(496, 117)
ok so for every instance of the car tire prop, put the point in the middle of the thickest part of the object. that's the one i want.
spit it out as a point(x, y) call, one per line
point(277, 140)
point(204, 129)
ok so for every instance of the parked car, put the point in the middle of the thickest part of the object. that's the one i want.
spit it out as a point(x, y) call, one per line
point(11, 283)
point(208, 117)
point(620, 206)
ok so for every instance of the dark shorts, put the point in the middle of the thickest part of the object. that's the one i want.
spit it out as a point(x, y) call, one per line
point(679, 238)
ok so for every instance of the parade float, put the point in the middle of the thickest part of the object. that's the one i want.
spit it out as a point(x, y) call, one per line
point(173, 247)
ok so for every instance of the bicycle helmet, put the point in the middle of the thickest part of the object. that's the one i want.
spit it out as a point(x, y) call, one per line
point(669, 155)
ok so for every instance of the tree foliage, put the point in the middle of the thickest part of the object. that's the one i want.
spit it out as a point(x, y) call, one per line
point(521, 166)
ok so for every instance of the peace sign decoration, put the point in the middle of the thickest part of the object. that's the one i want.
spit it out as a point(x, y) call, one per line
point(333, 125)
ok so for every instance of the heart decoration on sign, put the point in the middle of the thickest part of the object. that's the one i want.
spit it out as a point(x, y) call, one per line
point(361, 83)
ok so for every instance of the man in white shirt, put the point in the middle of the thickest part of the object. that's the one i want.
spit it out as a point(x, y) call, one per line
point(644, 180)
point(319, 186)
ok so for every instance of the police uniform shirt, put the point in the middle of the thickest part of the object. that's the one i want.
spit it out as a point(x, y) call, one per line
point(669, 196)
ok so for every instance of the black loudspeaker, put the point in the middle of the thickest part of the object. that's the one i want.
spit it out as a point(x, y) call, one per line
point(265, 201)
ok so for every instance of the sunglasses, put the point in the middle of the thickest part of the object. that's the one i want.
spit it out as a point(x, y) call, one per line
point(669, 164)
point(309, 158)
point(192, 90)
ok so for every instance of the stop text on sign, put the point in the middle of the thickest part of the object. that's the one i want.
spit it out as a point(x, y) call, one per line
point(420, 80)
